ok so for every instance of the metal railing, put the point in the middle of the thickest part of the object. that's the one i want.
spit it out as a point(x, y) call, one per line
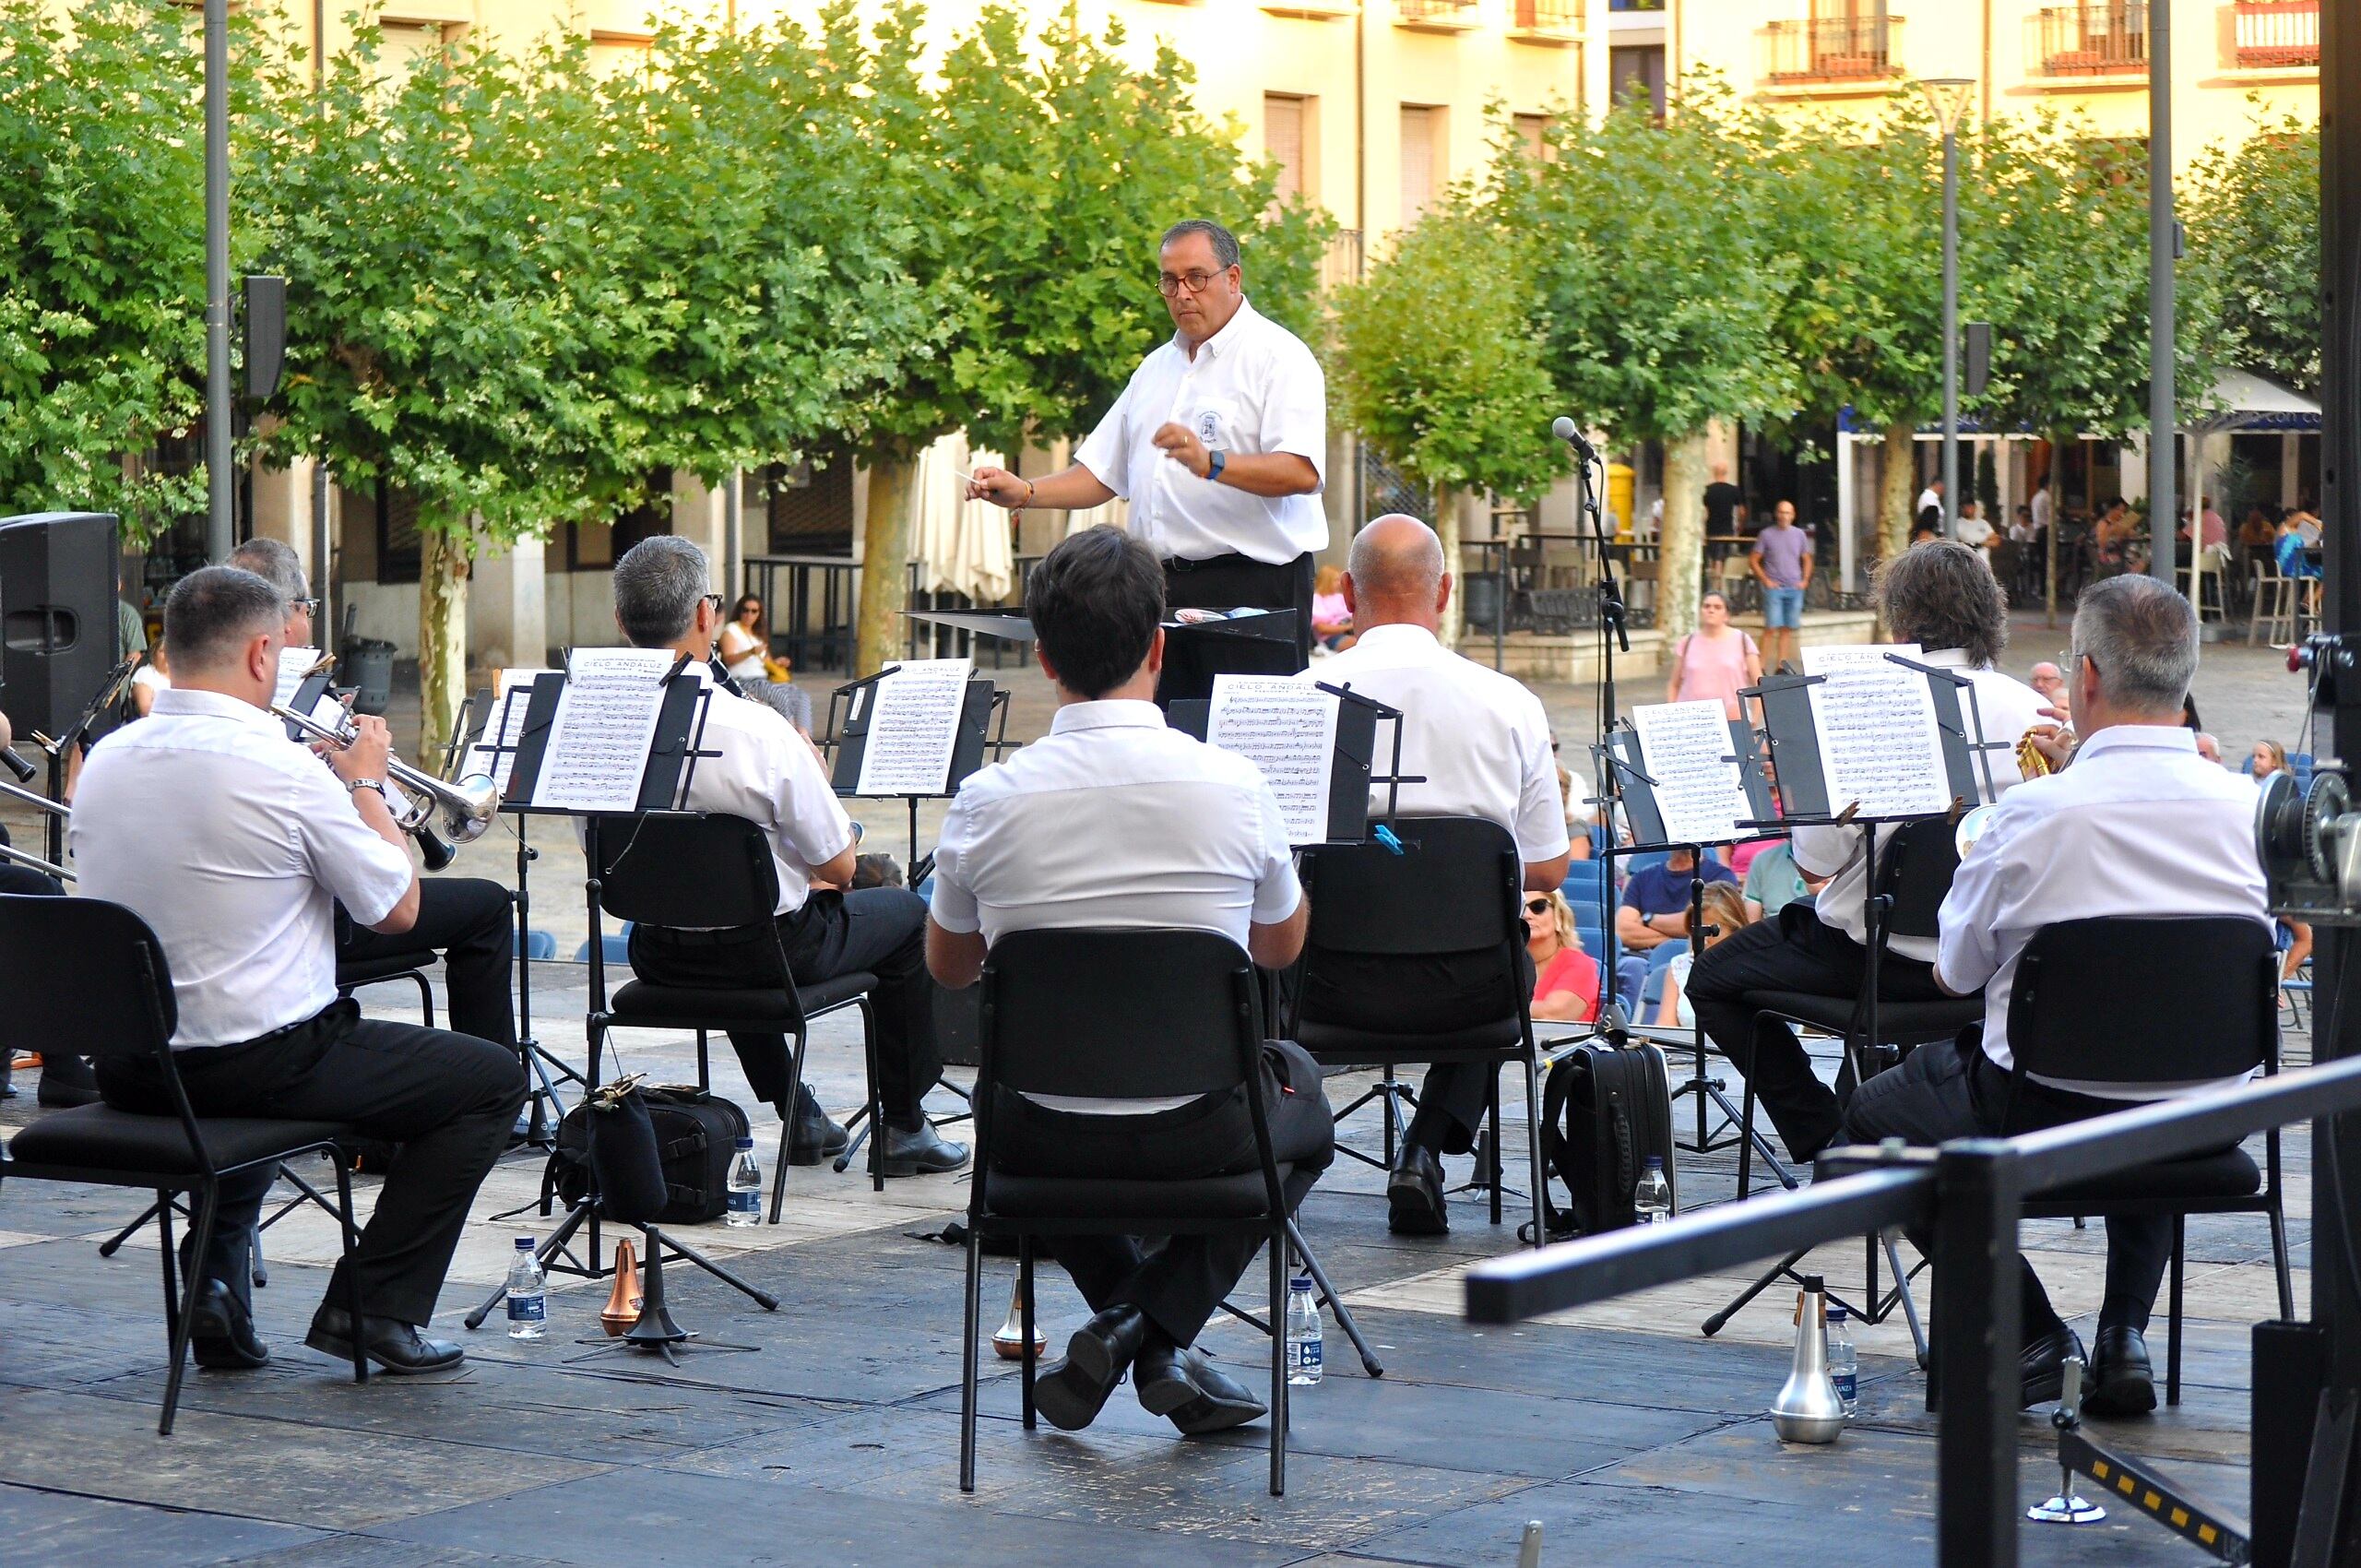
point(1435, 10)
point(1972, 1193)
point(1341, 263)
point(1832, 49)
point(2090, 41)
point(2269, 34)
point(1550, 15)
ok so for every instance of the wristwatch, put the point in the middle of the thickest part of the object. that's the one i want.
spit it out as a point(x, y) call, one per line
point(354, 786)
point(1215, 459)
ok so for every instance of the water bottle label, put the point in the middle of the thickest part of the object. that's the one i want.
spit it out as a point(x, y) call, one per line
point(526, 1309)
point(1848, 1386)
point(746, 1202)
point(1303, 1355)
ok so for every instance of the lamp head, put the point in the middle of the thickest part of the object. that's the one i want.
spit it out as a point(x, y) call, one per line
point(1947, 97)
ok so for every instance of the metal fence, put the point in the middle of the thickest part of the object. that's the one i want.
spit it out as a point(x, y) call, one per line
point(2276, 33)
point(1832, 49)
point(2090, 41)
point(1549, 15)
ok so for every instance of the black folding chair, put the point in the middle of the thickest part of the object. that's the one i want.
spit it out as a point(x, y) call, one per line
point(2178, 999)
point(1450, 898)
point(1122, 1015)
point(691, 870)
point(88, 976)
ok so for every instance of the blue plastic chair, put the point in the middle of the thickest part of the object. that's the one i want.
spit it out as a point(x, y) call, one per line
point(540, 946)
point(614, 947)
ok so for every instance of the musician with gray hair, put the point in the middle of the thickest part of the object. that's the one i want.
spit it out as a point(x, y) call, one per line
point(235, 846)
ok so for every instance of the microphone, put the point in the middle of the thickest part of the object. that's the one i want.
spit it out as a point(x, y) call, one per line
point(1566, 429)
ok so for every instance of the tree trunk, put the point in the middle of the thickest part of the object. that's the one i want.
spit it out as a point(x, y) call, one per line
point(443, 558)
point(1454, 615)
point(884, 565)
point(1897, 478)
point(1680, 555)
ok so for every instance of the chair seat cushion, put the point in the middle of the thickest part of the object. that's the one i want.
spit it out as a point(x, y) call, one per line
point(367, 971)
point(1896, 1020)
point(647, 1002)
point(101, 1138)
point(1055, 1198)
point(1334, 1042)
point(2229, 1174)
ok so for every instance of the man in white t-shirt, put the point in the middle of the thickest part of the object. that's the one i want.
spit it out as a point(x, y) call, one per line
point(1930, 496)
point(1113, 820)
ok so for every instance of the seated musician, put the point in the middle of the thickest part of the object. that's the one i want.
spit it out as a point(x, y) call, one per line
point(1941, 596)
point(469, 920)
point(2065, 849)
point(1479, 743)
point(770, 775)
point(235, 845)
point(1113, 819)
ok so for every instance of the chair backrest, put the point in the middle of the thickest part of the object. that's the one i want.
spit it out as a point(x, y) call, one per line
point(2122, 999)
point(1915, 869)
point(1455, 887)
point(83, 976)
point(1118, 1015)
point(682, 869)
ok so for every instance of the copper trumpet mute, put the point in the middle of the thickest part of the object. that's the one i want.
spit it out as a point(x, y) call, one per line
point(1008, 1340)
point(624, 1301)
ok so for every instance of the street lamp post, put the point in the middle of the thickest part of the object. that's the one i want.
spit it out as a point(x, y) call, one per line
point(1947, 97)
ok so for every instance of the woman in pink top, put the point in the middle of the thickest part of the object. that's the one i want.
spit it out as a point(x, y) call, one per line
point(1714, 661)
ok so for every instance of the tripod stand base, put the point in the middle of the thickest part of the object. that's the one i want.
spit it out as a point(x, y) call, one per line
point(2066, 1508)
point(554, 1258)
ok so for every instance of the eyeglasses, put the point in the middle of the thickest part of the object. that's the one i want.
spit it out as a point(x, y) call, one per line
point(716, 600)
point(1537, 906)
point(1195, 280)
point(308, 606)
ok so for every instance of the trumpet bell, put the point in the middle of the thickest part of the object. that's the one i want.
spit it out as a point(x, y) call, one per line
point(1971, 827)
point(468, 807)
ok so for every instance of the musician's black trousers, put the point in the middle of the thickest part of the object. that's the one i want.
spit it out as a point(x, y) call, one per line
point(1180, 1283)
point(1793, 952)
point(1237, 582)
point(471, 923)
point(879, 929)
point(447, 1100)
point(1953, 1090)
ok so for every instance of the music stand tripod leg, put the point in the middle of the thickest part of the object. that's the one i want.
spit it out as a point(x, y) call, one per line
point(1786, 1265)
point(1370, 1363)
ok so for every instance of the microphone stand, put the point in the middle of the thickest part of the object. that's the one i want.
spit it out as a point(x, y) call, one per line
point(1614, 634)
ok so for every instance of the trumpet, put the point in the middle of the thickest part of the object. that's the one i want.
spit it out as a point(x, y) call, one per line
point(10, 856)
point(467, 807)
point(2031, 763)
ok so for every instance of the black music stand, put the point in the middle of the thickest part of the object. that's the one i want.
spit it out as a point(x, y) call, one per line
point(1352, 768)
point(110, 693)
point(1259, 642)
point(982, 726)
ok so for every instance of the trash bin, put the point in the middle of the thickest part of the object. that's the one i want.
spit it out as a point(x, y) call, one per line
point(368, 663)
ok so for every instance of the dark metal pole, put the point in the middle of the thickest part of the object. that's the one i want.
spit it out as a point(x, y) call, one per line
point(1951, 331)
point(1976, 1203)
point(219, 489)
point(2162, 415)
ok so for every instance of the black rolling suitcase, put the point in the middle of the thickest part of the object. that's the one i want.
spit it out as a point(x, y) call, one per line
point(1605, 1109)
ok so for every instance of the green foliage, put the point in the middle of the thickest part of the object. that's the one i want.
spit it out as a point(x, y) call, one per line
point(1441, 366)
point(2254, 230)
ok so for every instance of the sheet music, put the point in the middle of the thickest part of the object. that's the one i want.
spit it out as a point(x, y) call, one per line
point(295, 663)
point(1879, 741)
point(503, 727)
point(604, 726)
point(913, 725)
point(1685, 747)
point(1287, 728)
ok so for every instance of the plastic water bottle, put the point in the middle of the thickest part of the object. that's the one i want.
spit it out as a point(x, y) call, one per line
point(528, 1294)
point(1843, 1363)
point(1652, 1196)
point(745, 1186)
point(1304, 1355)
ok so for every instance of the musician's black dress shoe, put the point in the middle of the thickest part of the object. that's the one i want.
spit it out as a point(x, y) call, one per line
point(393, 1345)
point(1070, 1393)
point(2121, 1381)
point(1413, 1196)
point(65, 1081)
point(920, 1151)
point(1197, 1397)
point(222, 1333)
point(816, 1137)
point(2041, 1366)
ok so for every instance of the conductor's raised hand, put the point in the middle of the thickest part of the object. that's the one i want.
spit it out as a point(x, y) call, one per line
point(373, 743)
point(999, 486)
point(1179, 442)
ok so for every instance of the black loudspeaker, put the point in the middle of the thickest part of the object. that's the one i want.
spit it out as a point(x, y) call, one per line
point(57, 619)
point(2290, 1369)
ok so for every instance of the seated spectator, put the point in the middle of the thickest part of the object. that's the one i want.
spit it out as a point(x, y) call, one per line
point(1565, 984)
point(1774, 881)
point(1929, 525)
point(1973, 528)
point(1655, 901)
point(745, 653)
point(1332, 617)
point(154, 675)
point(1726, 913)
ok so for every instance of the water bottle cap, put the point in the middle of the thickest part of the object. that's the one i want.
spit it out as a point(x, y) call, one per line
point(1835, 1313)
point(1655, 1163)
point(524, 1244)
point(1301, 1282)
point(745, 1143)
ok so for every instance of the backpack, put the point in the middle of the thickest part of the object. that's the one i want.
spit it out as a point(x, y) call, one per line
point(697, 1139)
point(1605, 1108)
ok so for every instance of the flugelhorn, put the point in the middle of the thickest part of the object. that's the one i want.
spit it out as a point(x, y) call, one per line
point(2032, 763)
point(468, 806)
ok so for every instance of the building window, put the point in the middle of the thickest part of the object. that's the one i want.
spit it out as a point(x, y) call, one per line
point(1637, 70)
point(1287, 141)
point(399, 551)
point(595, 547)
point(1533, 133)
point(806, 511)
point(1425, 168)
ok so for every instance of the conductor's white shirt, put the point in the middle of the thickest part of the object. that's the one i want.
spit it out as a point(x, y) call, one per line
point(1113, 820)
point(2009, 708)
point(235, 844)
point(2084, 843)
point(1252, 387)
point(769, 774)
point(1477, 737)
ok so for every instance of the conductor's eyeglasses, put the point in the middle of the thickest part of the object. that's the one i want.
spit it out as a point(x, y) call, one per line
point(1195, 280)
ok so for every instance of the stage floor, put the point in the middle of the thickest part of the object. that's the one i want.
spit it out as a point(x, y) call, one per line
point(1630, 1437)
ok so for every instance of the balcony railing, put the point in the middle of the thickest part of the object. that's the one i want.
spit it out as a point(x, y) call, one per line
point(1833, 48)
point(1551, 16)
point(2272, 33)
point(1341, 264)
point(1435, 13)
point(2091, 40)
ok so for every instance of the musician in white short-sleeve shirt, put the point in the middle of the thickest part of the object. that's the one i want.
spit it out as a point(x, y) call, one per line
point(1479, 744)
point(1219, 443)
point(234, 847)
point(1113, 820)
